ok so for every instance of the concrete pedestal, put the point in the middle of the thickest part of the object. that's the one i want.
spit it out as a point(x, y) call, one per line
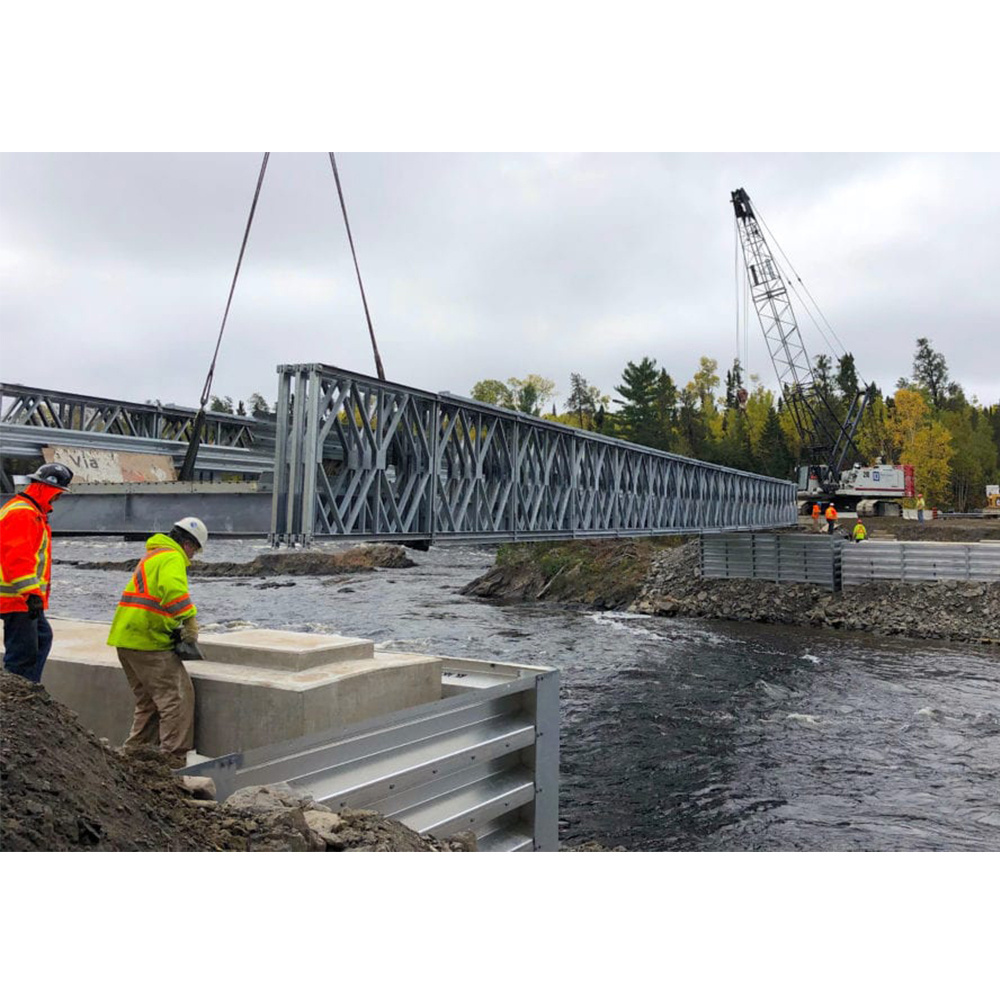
point(256, 687)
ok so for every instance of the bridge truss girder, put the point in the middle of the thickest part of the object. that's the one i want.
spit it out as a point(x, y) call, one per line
point(360, 458)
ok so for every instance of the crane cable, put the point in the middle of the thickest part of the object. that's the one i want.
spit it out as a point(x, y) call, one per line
point(357, 270)
point(791, 267)
point(187, 469)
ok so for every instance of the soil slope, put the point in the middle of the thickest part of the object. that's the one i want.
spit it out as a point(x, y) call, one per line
point(62, 789)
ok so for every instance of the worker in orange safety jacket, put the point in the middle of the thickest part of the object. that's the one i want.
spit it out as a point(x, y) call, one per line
point(815, 516)
point(26, 570)
point(831, 519)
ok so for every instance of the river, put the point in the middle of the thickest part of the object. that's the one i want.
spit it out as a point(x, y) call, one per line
point(676, 734)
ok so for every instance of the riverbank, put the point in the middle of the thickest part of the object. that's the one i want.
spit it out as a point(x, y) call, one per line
point(662, 577)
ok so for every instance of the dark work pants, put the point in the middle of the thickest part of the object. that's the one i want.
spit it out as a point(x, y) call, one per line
point(26, 644)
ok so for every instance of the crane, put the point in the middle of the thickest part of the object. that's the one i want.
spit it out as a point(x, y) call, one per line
point(829, 437)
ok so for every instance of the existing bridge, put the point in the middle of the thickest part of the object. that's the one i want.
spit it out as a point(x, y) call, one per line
point(355, 457)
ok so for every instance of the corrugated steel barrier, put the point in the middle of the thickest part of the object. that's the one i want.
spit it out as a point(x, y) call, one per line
point(835, 562)
point(767, 556)
point(912, 562)
point(484, 758)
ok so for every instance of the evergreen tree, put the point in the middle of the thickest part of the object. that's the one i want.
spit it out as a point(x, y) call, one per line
point(638, 402)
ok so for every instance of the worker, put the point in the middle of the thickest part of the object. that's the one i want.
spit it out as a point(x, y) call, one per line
point(26, 570)
point(920, 506)
point(860, 532)
point(154, 613)
point(815, 517)
point(831, 519)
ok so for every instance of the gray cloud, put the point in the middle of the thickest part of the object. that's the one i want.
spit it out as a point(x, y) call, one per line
point(115, 267)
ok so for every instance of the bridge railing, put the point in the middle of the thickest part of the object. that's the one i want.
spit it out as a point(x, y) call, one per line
point(362, 458)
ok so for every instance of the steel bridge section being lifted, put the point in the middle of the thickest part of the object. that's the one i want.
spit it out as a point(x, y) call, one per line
point(356, 457)
point(32, 418)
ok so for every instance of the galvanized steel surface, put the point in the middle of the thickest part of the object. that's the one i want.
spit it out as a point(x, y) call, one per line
point(834, 562)
point(782, 558)
point(485, 758)
point(32, 418)
point(912, 562)
point(362, 458)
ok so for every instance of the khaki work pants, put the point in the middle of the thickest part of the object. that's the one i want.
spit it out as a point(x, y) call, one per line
point(164, 700)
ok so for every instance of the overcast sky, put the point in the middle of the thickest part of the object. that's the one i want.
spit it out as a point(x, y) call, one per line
point(114, 268)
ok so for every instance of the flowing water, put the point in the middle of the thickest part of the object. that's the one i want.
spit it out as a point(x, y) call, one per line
point(676, 734)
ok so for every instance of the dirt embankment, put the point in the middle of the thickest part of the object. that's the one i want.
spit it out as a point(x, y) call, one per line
point(62, 789)
point(360, 559)
point(663, 578)
point(606, 574)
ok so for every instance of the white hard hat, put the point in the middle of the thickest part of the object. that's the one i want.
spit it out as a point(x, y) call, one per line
point(195, 527)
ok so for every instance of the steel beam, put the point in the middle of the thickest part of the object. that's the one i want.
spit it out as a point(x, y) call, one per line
point(361, 458)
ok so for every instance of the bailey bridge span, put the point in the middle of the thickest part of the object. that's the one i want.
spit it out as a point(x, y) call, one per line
point(347, 456)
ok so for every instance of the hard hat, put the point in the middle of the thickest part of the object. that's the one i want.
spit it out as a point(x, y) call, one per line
point(195, 527)
point(53, 474)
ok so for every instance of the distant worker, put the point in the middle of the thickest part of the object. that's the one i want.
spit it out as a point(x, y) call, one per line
point(860, 532)
point(815, 517)
point(154, 613)
point(26, 570)
point(920, 506)
point(831, 519)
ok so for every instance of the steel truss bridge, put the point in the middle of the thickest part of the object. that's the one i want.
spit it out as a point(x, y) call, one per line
point(31, 419)
point(361, 458)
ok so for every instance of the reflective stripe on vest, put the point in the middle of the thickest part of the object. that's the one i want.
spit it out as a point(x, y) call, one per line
point(140, 597)
point(36, 580)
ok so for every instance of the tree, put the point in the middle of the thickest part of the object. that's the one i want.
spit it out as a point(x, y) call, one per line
point(908, 416)
point(772, 455)
point(258, 405)
point(665, 402)
point(930, 371)
point(531, 394)
point(930, 453)
point(584, 401)
point(638, 402)
point(222, 404)
point(847, 378)
point(494, 392)
point(734, 382)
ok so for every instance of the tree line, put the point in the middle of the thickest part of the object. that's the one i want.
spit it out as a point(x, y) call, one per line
point(927, 422)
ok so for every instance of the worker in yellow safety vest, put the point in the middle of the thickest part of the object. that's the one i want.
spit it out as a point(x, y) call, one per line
point(831, 519)
point(154, 614)
point(860, 532)
point(920, 506)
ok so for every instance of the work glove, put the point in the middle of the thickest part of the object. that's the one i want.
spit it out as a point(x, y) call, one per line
point(189, 629)
point(35, 605)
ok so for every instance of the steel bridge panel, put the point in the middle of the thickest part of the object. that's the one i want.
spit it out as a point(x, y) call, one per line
point(361, 458)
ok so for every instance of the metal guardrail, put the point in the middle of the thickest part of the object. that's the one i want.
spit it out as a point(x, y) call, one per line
point(835, 562)
point(484, 758)
point(766, 556)
point(911, 562)
point(413, 464)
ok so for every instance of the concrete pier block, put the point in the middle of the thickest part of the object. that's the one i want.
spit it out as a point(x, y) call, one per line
point(266, 647)
point(241, 706)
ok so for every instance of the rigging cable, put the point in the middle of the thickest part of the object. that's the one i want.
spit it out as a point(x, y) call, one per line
point(350, 239)
point(842, 349)
point(187, 469)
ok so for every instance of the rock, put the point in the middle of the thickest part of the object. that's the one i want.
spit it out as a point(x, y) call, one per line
point(271, 798)
point(325, 825)
point(464, 841)
point(200, 788)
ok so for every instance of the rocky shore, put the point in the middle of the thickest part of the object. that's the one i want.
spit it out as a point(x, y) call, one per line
point(663, 578)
